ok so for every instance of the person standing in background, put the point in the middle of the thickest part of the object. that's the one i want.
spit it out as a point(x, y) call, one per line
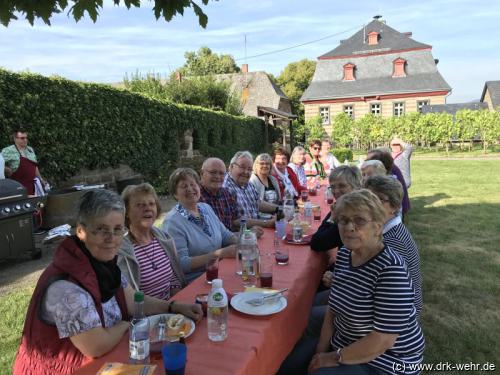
point(401, 153)
point(21, 163)
point(313, 166)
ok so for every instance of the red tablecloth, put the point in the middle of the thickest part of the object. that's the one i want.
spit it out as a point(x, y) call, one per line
point(255, 345)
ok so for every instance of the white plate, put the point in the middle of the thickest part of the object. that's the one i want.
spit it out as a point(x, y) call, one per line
point(268, 308)
point(154, 319)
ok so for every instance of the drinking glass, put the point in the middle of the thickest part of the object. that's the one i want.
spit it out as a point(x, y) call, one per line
point(317, 213)
point(266, 269)
point(212, 269)
point(281, 256)
point(174, 358)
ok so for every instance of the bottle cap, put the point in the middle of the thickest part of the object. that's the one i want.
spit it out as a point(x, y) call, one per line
point(138, 296)
point(217, 284)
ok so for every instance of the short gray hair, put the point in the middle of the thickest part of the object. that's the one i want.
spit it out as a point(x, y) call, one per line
point(377, 165)
point(359, 201)
point(239, 155)
point(388, 186)
point(181, 174)
point(352, 175)
point(262, 157)
point(295, 151)
point(98, 203)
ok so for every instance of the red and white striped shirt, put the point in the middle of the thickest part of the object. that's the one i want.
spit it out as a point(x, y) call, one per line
point(157, 275)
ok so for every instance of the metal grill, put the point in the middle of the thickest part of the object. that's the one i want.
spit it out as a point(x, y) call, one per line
point(16, 220)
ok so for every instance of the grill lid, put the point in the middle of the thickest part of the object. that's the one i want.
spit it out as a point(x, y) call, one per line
point(10, 189)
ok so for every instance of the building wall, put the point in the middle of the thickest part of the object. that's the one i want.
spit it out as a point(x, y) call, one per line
point(487, 99)
point(362, 108)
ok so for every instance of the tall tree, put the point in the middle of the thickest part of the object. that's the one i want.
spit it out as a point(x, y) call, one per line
point(45, 9)
point(294, 80)
point(205, 62)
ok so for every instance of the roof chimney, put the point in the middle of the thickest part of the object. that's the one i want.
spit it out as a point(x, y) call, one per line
point(244, 68)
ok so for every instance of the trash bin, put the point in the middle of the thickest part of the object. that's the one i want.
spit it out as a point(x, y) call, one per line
point(60, 207)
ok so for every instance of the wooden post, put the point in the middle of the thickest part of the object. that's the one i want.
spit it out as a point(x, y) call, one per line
point(266, 130)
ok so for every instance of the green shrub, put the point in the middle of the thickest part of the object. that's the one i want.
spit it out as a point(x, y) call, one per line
point(342, 154)
point(83, 125)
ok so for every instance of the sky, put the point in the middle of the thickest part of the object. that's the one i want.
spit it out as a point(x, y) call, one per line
point(465, 35)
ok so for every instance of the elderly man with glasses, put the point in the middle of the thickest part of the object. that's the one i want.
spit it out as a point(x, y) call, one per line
point(237, 181)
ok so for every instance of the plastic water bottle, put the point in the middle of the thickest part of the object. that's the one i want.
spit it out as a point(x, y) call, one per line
point(249, 253)
point(139, 332)
point(308, 212)
point(217, 312)
point(288, 206)
point(243, 228)
point(297, 230)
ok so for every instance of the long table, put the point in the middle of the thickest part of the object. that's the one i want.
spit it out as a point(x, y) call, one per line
point(255, 345)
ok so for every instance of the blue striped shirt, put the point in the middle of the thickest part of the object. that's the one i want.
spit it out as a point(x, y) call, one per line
point(376, 296)
point(246, 196)
point(399, 239)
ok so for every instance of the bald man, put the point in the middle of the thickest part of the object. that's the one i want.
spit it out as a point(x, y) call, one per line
point(222, 200)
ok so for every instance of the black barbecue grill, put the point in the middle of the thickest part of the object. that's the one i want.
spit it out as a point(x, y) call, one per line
point(16, 220)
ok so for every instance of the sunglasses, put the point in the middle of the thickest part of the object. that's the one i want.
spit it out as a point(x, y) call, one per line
point(22, 138)
point(316, 148)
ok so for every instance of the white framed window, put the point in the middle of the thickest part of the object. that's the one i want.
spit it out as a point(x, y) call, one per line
point(399, 109)
point(349, 110)
point(376, 108)
point(324, 112)
point(421, 103)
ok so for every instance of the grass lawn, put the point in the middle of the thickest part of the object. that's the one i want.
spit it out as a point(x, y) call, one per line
point(455, 220)
point(456, 223)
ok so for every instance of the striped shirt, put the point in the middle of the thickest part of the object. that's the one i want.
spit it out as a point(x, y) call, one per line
point(399, 239)
point(246, 196)
point(157, 275)
point(376, 296)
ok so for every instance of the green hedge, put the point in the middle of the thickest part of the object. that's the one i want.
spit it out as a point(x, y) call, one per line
point(76, 125)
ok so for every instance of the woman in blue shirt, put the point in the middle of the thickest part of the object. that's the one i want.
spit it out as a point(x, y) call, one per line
point(198, 233)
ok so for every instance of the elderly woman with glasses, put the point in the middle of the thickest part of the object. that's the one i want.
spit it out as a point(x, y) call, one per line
point(148, 258)
point(396, 235)
point(81, 305)
point(198, 233)
point(266, 185)
point(343, 180)
point(370, 326)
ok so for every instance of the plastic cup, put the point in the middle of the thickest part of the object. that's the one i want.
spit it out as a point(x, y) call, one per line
point(266, 270)
point(281, 256)
point(212, 270)
point(174, 358)
point(281, 228)
point(317, 213)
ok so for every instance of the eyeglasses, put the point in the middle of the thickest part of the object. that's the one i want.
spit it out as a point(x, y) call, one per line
point(249, 170)
point(216, 173)
point(357, 221)
point(23, 138)
point(316, 148)
point(104, 233)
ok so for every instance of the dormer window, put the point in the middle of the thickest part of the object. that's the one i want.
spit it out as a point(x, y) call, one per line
point(399, 67)
point(373, 38)
point(349, 72)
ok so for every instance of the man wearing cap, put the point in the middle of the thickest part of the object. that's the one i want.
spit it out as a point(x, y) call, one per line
point(401, 153)
point(21, 163)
